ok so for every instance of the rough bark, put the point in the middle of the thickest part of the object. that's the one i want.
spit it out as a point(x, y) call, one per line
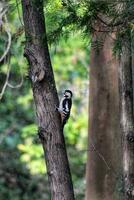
point(127, 118)
point(104, 161)
point(46, 100)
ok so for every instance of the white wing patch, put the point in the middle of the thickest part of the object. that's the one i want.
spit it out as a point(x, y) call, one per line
point(61, 104)
point(67, 109)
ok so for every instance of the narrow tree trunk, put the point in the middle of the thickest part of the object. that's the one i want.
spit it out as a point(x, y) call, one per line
point(46, 100)
point(104, 158)
point(127, 118)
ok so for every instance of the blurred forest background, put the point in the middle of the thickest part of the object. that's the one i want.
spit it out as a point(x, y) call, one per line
point(70, 26)
point(22, 171)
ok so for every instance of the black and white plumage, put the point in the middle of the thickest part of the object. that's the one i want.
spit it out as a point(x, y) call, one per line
point(65, 106)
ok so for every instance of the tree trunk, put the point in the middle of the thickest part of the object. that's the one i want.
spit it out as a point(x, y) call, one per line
point(104, 156)
point(46, 100)
point(127, 118)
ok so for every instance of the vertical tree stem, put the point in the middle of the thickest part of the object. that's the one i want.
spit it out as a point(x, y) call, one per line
point(126, 117)
point(46, 100)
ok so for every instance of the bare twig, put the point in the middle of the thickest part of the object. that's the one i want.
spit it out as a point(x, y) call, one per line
point(19, 15)
point(6, 81)
point(19, 84)
point(7, 29)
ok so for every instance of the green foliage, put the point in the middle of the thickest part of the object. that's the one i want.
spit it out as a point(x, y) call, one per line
point(73, 16)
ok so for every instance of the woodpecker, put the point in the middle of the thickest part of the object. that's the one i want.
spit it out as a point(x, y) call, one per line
point(65, 106)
